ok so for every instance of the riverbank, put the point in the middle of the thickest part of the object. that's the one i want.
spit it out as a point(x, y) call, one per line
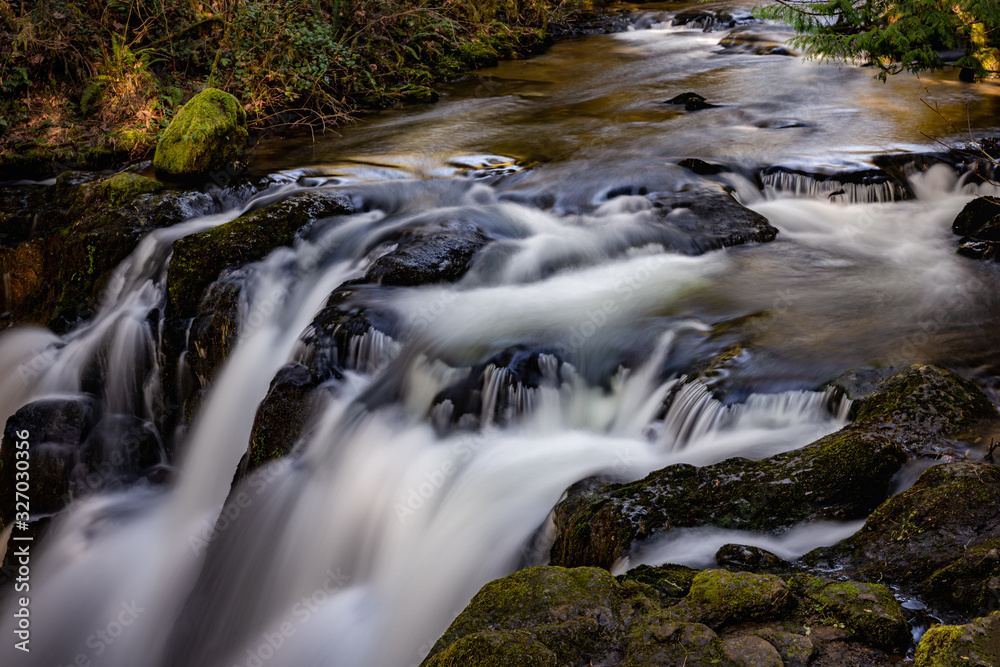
point(95, 87)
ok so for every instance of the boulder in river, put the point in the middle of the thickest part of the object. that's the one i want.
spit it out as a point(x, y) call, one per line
point(979, 226)
point(691, 102)
point(976, 644)
point(206, 134)
point(424, 256)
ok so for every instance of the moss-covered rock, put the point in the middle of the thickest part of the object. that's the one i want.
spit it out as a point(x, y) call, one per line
point(668, 583)
point(924, 530)
point(199, 258)
point(571, 613)
point(719, 598)
point(971, 583)
point(869, 611)
point(921, 406)
point(659, 639)
point(206, 134)
point(974, 645)
point(751, 651)
point(842, 476)
point(491, 649)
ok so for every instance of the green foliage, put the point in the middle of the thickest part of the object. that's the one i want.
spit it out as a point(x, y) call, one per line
point(896, 35)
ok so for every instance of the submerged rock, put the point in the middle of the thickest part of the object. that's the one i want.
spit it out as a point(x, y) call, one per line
point(206, 134)
point(691, 102)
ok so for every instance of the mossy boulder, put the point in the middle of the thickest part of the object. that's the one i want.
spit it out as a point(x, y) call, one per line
point(659, 639)
point(198, 259)
point(490, 649)
point(206, 134)
point(976, 644)
point(571, 612)
point(719, 598)
point(925, 537)
point(922, 406)
point(868, 610)
point(842, 476)
point(668, 584)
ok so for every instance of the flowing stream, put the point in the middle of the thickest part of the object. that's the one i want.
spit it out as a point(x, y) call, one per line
point(362, 547)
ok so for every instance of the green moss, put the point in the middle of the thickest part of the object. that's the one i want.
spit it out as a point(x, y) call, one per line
point(974, 645)
point(869, 611)
point(668, 583)
point(926, 397)
point(198, 259)
point(205, 135)
point(569, 611)
point(490, 649)
point(720, 597)
point(123, 187)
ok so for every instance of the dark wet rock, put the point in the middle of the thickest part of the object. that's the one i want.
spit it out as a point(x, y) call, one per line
point(747, 558)
point(582, 616)
point(842, 476)
point(976, 644)
point(280, 417)
point(119, 446)
point(54, 428)
point(215, 330)
point(428, 256)
point(667, 584)
point(701, 167)
point(923, 538)
point(979, 226)
point(691, 102)
point(708, 20)
point(923, 407)
point(198, 259)
point(591, 22)
point(709, 221)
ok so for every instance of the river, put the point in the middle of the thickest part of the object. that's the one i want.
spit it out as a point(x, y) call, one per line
point(363, 546)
